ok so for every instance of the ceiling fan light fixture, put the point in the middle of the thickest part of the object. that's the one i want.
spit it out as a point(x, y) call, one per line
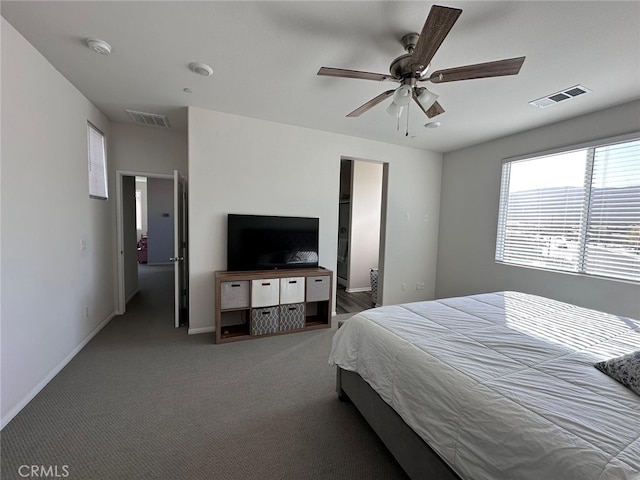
point(402, 95)
point(395, 110)
point(427, 99)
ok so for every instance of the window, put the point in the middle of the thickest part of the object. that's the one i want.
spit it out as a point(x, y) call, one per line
point(97, 163)
point(138, 209)
point(577, 211)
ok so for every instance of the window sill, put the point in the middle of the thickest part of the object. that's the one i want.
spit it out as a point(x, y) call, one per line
point(573, 274)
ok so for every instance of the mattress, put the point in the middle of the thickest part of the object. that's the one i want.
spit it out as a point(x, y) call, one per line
point(502, 385)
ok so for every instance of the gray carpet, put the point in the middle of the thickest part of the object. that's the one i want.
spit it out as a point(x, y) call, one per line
point(144, 400)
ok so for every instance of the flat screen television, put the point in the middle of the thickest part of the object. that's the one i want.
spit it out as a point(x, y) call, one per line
point(262, 242)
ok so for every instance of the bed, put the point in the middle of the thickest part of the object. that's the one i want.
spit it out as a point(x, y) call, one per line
point(498, 386)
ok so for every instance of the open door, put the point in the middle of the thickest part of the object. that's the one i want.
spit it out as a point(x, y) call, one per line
point(180, 259)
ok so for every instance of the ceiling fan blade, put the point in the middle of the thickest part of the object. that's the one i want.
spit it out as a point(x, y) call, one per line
point(371, 103)
point(435, 109)
point(500, 68)
point(439, 23)
point(342, 73)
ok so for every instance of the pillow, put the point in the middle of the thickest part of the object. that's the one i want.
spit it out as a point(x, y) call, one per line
point(624, 369)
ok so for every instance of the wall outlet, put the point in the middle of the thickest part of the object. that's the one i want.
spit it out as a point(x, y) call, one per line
point(86, 313)
point(420, 286)
point(404, 286)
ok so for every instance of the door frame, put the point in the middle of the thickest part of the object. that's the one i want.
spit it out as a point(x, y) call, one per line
point(383, 222)
point(180, 250)
point(121, 301)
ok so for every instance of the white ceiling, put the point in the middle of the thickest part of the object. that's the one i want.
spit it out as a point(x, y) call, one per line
point(265, 56)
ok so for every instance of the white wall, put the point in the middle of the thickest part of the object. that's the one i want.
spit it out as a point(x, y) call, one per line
point(469, 216)
point(137, 148)
point(130, 239)
point(55, 296)
point(160, 221)
point(243, 165)
point(366, 194)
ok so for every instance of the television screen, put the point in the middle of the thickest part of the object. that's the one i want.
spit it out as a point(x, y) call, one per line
point(260, 242)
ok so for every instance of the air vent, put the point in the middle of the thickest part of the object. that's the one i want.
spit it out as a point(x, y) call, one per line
point(558, 97)
point(149, 119)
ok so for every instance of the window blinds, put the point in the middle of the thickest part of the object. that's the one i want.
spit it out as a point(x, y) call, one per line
point(577, 211)
point(97, 164)
point(612, 244)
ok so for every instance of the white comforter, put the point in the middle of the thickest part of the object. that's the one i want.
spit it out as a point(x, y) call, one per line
point(502, 385)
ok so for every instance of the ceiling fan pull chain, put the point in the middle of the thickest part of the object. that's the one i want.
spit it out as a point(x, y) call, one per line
point(406, 134)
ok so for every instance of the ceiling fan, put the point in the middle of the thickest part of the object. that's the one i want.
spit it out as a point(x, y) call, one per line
point(412, 67)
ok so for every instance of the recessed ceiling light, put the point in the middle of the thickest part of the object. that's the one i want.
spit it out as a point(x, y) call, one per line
point(99, 46)
point(432, 124)
point(201, 69)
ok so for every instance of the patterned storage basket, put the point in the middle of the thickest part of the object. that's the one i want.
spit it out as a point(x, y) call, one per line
point(291, 316)
point(373, 273)
point(264, 320)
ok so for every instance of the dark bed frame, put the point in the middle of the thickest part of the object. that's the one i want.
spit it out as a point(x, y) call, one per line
point(417, 459)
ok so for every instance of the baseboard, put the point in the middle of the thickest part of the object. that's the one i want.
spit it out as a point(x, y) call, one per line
point(131, 296)
point(195, 331)
point(359, 289)
point(43, 383)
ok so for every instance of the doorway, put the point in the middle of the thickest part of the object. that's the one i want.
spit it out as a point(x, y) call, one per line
point(360, 234)
point(152, 236)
